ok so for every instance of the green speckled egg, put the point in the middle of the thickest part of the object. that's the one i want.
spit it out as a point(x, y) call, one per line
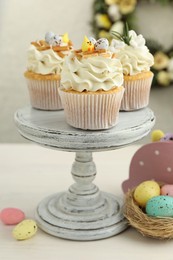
point(25, 229)
point(160, 206)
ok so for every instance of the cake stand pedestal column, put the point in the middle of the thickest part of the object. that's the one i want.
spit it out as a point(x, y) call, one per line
point(83, 212)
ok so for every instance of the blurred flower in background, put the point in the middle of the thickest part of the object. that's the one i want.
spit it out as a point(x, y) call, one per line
point(111, 15)
point(163, 78)
point(117, 27)
point(102, 21)
point(114, 12)
point(127, 6)
point(161, 60)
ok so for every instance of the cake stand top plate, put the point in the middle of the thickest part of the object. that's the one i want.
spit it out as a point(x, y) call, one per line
point(49, 128)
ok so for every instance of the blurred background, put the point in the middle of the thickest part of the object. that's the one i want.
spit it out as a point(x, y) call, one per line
point(24, 21)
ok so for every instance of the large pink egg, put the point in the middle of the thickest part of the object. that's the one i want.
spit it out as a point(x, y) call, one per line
point(167, 190)
point(12, 216)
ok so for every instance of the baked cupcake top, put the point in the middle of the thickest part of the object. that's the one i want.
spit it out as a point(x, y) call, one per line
point(132, 52)
point(92, 68)
point(47, 56)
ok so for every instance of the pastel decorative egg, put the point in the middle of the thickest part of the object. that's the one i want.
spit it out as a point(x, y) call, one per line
point(156, 135)
point(145, 191)
point(49, 36)
point(167, 137)
point(12, 216)
point(102, 43)
point(160, 206)
point(56, 40)
point(25, 229)
point(167, 189)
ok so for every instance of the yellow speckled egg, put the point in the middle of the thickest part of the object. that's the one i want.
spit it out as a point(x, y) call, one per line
point(25, 229)
point(145, 191)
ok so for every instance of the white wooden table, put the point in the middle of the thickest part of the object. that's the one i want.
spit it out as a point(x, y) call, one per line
point(28, 173)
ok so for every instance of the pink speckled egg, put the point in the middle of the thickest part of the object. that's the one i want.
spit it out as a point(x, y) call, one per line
point(167, 190)
point(12, 216)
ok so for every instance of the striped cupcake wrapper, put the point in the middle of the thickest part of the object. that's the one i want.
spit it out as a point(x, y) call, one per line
point(91, 111)
point(44, 94)
point(136, 95)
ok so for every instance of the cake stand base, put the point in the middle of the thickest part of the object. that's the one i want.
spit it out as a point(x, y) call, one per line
point(105, 221)
point(83, 212)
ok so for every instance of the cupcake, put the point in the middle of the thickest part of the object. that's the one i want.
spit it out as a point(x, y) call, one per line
point(91, 87)
point(136, 60)
point(44, 64)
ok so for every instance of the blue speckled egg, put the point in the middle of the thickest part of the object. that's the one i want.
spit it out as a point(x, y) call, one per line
point(160, 206)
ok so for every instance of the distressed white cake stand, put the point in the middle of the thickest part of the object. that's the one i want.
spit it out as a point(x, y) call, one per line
point(83, 212)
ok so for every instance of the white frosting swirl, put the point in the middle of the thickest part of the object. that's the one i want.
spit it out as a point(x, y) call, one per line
point(135, 60)
point(91, 73)
point(44, 62)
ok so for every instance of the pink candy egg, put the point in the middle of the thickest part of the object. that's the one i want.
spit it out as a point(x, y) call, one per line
point(12, 216)
point(167, 190)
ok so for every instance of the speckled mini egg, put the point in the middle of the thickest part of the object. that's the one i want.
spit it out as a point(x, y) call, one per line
point(56, 40)
point(25, 229)
point(102, 43)
point(160, 206)
point(167, 137)
point(49, 36)
point(12, 216)
point(145, 191)
point(167, 190)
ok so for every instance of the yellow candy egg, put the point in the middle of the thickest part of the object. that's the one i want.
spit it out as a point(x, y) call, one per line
point(145, 191)
point(25, 229)
point(156, 135)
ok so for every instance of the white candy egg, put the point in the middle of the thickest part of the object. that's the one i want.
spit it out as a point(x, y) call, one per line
point(102, 43)
point(52, 39)
point(57, 40)
point(49, 36)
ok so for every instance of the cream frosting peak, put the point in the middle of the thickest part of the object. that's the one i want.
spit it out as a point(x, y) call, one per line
point(135, 57)
point(134, 60)
point(91, 74)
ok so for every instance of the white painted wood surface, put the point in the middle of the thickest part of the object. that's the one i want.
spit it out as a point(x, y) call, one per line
point(84, 212)
point(50, 129)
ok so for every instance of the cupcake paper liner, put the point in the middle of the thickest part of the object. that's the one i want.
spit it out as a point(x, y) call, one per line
point(44, 94)
point(136, 94)
point(92, 111)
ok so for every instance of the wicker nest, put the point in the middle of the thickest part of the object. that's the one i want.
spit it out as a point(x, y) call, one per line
point(160, 228)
